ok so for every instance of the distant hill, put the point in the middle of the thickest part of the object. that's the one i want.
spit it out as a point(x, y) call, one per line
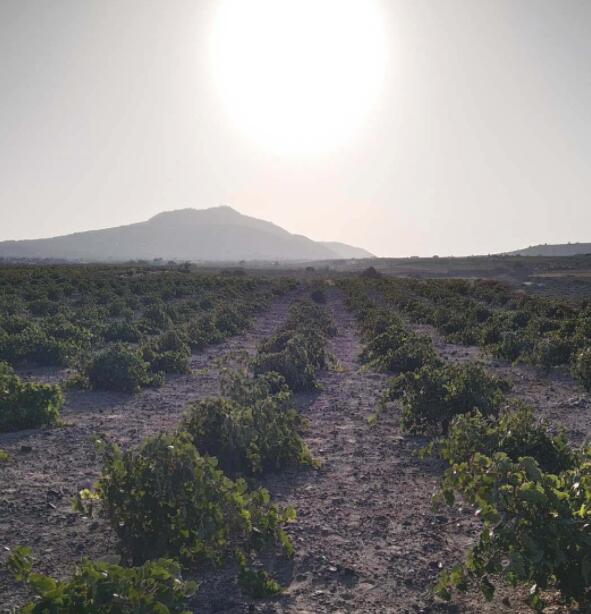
point(562, 249)
point(215, 234)
point(346, 251)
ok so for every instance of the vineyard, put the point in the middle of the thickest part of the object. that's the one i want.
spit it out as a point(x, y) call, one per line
point(174, 440)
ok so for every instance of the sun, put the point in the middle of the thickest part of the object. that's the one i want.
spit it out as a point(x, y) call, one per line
point(298, 76)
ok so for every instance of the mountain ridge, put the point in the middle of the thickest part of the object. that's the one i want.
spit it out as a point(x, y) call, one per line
point(205, 235)
point(554, 249)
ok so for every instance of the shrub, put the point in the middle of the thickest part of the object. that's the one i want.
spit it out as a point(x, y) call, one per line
point(173, 341)
point(237, 386)
point(552, 351)
point(374, 322)
point(294, 362)
point(168, 354)
point(202, 332)
point(257, 584)
point(62, 329)
point(166, 362)
point(433, 395)
point(305, 316)
point(259, 435)
point(518, 319)
point(298, 349)
point(581, 367)
point(515, 432)
point(228, 321)
point(163, 498)
point(383, 332)
point(371, 273)
point(512, 345)
point(26, 405)
point(399, 351)
point(122, 331)
point(313, 342)
point(121, 369)
point(156, 318)
point(105, 588)
point(33, 345)
point(490, 333)
point(536, 528)
point(468, 334)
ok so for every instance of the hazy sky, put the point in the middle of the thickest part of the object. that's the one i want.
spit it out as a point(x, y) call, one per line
point(461, 126)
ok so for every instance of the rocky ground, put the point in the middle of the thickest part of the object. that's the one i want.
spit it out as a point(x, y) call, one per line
point(48, 467)
point(366, 536)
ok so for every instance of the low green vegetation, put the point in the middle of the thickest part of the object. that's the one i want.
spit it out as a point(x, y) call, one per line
point(170, 500)
point(581, 367)
point(536, 528)
point(515, 432)
point(179, 495)
point(297, 351)
point(388, 345)
point(120, 368)
point(530, 489)
point(104, 588)
point(433, 395)
point(509, 325)
point(181, 500)
point(165, 499)
point(252, 432)
point(65, 316)
point(25, 405)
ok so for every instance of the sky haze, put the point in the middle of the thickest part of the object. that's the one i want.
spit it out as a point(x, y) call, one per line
point(458, 127)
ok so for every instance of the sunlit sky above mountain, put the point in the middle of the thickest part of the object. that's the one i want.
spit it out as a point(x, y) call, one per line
point(408, 127)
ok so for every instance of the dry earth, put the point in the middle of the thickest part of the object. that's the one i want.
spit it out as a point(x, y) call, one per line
point(48, 467)
point(366, 536)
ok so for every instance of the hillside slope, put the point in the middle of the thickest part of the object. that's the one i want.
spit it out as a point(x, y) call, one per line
point(560, 249)
point(347, 251)
point(215, 234)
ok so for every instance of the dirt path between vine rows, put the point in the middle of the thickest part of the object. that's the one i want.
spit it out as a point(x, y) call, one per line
point(47, 467)
point(367, 539)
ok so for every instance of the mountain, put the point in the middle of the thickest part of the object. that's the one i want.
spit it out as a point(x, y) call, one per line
point(562, 249)
point(346, 251)
point(215, 234)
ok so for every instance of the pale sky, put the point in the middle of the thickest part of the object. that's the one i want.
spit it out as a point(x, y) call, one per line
point(415, 127)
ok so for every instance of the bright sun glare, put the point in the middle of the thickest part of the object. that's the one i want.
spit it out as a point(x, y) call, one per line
point(298, 76)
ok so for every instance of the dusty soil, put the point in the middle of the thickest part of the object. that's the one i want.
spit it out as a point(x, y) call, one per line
point(48, 467)
point(366, 536)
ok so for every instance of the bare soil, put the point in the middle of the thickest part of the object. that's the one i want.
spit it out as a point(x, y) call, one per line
point(366, 536)
point(47, 467)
